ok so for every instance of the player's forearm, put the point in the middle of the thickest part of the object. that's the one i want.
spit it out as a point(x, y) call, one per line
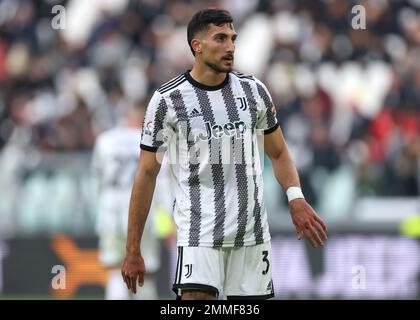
point(285, 170)
point(141, 198)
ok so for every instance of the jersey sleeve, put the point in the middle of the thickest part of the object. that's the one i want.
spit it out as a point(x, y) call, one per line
point(157, 127)
point(266, 112)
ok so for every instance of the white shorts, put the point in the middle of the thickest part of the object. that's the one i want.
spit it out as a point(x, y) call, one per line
point(240, 273)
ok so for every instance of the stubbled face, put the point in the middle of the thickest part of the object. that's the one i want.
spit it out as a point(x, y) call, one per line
point(217, 47)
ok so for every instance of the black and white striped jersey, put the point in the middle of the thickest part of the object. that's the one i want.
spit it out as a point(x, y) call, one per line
point(210, 134)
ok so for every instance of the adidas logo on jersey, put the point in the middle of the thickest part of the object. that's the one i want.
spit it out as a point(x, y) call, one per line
point(195, 113)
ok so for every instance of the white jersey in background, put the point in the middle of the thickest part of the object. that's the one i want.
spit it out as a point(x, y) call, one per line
point(218, 186)
point(115, 159)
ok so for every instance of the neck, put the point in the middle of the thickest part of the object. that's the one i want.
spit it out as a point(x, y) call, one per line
point(207, 76)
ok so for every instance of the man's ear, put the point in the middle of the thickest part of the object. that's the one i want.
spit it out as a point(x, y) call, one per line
point(196, 45)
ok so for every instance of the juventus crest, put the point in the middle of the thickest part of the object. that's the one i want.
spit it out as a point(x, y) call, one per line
point(242, 101)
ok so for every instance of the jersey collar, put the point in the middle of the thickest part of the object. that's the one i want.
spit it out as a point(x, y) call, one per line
point(203, 86)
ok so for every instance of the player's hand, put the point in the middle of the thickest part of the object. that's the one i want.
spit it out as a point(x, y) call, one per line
point(308, 222)
point(133, 267)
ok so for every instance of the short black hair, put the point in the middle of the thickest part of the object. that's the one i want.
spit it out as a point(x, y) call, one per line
point(202, 19)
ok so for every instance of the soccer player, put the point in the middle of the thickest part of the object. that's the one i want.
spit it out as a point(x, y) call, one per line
point(114, 162)
point(212, 115)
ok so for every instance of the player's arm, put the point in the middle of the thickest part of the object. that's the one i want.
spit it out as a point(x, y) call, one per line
point(305, 219)
point(140, 202)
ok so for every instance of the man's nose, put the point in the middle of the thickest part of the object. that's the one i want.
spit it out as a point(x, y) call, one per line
point(231, 47)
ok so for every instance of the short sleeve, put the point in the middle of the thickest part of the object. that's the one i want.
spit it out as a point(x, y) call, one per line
point(157, 126)
point(266, 113)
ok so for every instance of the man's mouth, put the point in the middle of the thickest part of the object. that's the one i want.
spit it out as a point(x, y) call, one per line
point(228, 58)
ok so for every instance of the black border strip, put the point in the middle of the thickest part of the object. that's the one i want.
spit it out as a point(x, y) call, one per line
point(148, 148)
point(203, 86)
point(263, 297)
point(181, 254)
point(196, 286)
point(272, 129)
point(177, 265)
point(175, 85)
point(170, 82)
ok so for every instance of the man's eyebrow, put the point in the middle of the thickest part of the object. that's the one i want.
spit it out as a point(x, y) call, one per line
point(224, 34)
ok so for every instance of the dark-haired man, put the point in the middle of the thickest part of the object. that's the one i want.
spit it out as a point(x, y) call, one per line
point(212, 116)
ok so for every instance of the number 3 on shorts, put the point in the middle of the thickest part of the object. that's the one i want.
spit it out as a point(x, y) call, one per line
point(265, 255)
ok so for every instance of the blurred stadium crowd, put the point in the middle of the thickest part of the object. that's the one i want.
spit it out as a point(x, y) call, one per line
point(348, 100)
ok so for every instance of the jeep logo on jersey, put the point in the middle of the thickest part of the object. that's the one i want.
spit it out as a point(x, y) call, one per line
point(229, 129)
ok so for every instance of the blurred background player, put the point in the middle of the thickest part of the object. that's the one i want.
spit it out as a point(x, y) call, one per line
point(222, 225)
point(115, 157)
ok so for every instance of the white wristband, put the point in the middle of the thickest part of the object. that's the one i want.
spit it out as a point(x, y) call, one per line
point(294, 193)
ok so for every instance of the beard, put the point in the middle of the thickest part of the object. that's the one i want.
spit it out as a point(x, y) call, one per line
point(219, 68)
